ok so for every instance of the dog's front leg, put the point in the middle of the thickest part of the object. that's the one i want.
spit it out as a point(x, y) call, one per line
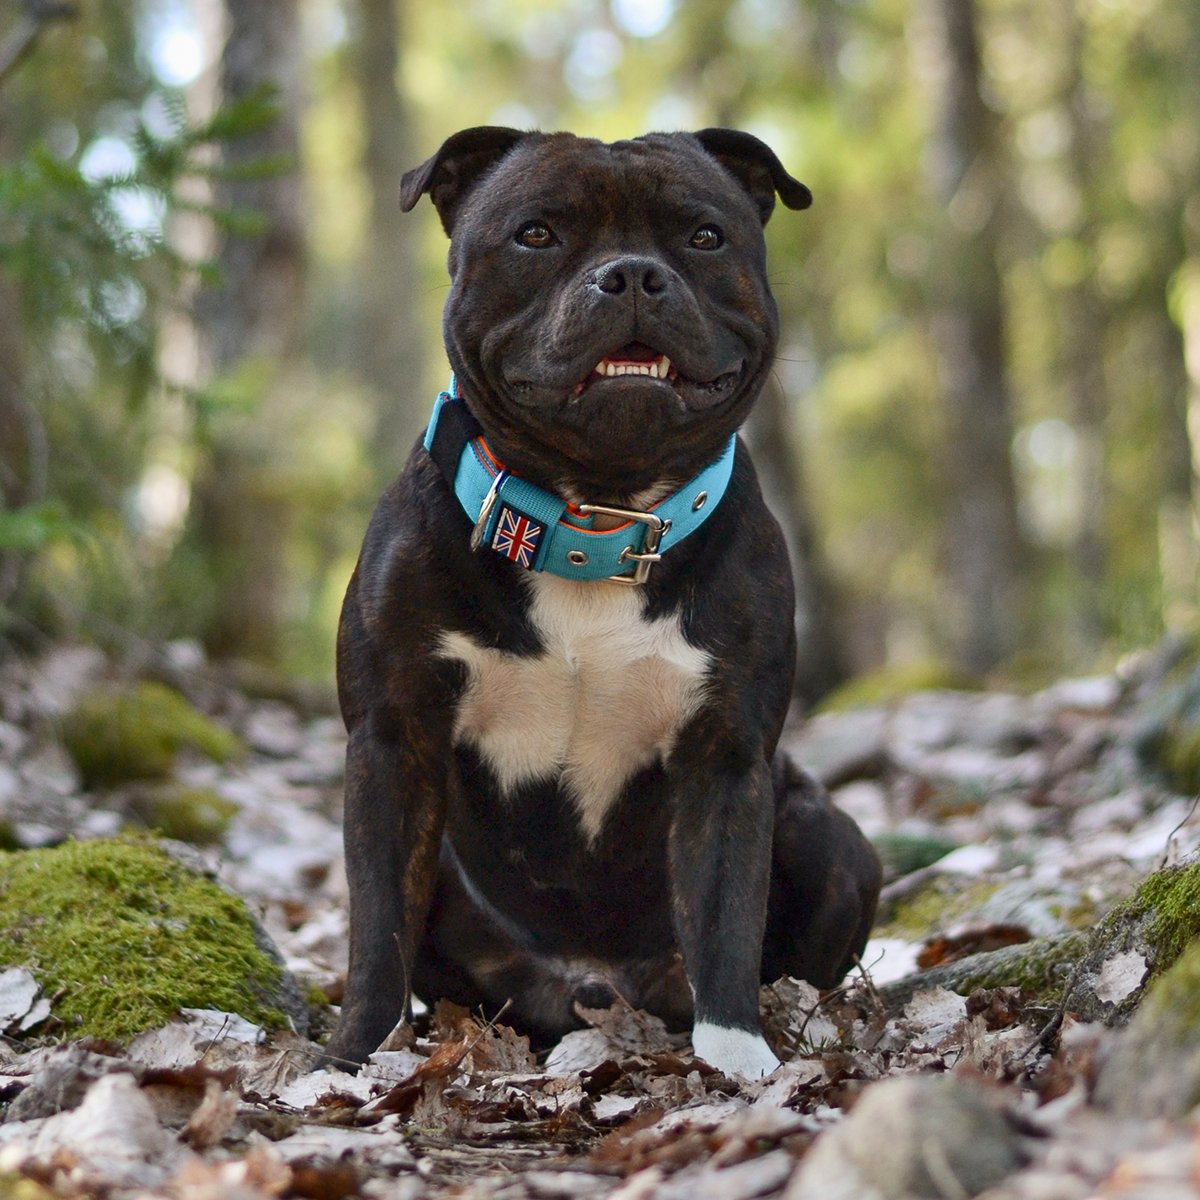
point(395, 812)
point(720, 863)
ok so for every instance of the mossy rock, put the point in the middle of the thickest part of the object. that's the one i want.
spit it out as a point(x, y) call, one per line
point(1040, 968)
point(121, 734)
point(194, 815)
point(889, 684)
point(123, 934)
point(1154, 1070)
point(1152, 927)
point(1158, 922)
point(937, 904)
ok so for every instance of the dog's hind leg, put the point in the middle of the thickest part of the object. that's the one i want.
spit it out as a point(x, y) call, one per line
point(475, 956)
point(825, 880)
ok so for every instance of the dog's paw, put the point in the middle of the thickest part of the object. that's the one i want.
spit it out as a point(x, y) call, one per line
point(733, 1051)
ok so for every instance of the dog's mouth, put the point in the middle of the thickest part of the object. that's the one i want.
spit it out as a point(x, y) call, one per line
point(638, 359)
point(634, 359)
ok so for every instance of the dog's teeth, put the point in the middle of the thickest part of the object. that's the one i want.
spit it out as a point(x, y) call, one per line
point(609, 368)
point(664, 365)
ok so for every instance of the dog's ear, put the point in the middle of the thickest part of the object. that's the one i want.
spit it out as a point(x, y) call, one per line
point(459, 163)
point(754, 165)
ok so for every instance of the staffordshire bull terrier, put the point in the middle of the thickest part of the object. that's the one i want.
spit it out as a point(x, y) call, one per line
point(566, 653)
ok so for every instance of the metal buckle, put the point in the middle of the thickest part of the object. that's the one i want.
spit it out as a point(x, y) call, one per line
point(485, 511)
point(655, 528)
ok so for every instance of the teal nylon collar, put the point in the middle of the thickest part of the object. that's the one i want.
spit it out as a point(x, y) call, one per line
point(537, 530)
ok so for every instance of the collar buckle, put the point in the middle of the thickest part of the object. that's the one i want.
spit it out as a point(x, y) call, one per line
point(648, 555)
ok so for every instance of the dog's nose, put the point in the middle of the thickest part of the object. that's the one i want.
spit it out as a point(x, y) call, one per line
point(631, 271)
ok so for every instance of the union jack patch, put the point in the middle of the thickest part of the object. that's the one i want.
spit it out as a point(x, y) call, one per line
point(517, 537)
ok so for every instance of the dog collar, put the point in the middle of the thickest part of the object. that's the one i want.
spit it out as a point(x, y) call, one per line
point(539, 531)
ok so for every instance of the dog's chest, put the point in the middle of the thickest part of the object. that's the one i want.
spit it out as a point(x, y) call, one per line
point(604, 699)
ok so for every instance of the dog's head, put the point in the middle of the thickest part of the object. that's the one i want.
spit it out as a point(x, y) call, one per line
point(609, 319)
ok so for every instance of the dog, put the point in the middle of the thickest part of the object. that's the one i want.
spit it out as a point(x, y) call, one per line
point(567, 651)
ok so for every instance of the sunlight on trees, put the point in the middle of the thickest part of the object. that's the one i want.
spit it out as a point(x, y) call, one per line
point(1075, 194)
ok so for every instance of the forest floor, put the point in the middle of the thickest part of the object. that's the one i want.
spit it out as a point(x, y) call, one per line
point(1006, 821)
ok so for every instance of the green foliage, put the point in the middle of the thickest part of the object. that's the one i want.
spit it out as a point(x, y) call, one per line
point(118, 734)
point(1171, 899)
point(124, 936)
point(27, 529)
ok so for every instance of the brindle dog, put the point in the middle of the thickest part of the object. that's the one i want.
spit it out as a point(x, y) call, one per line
point(562, 789)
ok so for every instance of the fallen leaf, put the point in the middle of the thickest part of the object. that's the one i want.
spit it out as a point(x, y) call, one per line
point(213, 1116)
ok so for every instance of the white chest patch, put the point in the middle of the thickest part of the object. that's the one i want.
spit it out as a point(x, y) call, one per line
point(605, 699)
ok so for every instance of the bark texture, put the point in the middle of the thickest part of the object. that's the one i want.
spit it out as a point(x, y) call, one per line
point(391, 339)
point(983, 542)
point(256, 312)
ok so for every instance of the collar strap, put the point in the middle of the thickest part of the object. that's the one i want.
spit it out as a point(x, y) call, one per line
point(539, 531)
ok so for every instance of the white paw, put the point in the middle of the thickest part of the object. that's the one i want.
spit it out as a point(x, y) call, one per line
point(733, 1051)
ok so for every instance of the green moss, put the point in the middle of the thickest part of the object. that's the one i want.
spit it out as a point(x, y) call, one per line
point(1171, 899)
point(129, 936)
point(890, 683)
point(120, 734)
point(1176, 994)
point(1040, 968)
point(194, 815)
point(932, 908)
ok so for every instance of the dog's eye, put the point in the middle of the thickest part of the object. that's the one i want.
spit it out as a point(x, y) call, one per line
point(536, 236)
point(707, 237)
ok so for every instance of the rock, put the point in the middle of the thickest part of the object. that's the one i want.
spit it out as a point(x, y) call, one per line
point(839, 747)
point(1040, 968)
point(273, 729)
point(1136, 943)
point(123, 935)
point(120, 734)
point(58, 679)
point(1154, 1070)
point(189, 814)
point(927, 1136)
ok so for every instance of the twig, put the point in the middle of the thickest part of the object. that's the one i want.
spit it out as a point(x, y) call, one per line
point(872, 990)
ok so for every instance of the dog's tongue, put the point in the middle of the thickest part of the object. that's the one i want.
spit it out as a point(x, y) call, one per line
point(634, 352)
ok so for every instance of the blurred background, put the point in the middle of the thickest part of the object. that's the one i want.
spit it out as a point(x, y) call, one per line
point(219, 336)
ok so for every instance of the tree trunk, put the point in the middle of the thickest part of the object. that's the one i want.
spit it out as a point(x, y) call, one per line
point(983, 542)
point(391, 352)
point(255, 314)
point(820, 654)
point(713, 67)
point(1084, 326)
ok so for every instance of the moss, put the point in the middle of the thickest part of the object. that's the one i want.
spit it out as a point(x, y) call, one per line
point(933, 907)
point(120, 734)
point(194, 815)
point(124, 936)
point(890, 683)
point(1171, 901)
point(1040, 968)
point(1175, 996)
